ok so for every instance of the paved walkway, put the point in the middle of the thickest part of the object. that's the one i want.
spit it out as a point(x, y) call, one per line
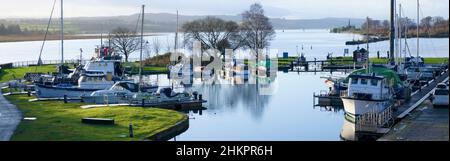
point(10, 118)
point(424, 124)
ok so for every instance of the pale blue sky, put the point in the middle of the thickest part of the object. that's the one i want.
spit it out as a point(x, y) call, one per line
point(302, 9)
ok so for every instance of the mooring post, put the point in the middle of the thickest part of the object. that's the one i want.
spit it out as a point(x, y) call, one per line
point(65, 98)
point(130, 128)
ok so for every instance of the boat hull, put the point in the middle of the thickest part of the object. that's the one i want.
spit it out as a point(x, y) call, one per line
point(104, 100)
point(355, 107)
point(59, 92)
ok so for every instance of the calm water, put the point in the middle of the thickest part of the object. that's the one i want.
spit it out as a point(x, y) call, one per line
point(238, 112)
point(316, 43)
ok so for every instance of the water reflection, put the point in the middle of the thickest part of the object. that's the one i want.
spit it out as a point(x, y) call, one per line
point(239, 112)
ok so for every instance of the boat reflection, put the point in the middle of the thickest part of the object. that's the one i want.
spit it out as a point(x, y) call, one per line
point(352, 131)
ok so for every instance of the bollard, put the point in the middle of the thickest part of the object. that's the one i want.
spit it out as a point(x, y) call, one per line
point(143, 102)
point(200, 97)
point(195, 95)
point(65, 98)
point(130, 128)
point(29, 93)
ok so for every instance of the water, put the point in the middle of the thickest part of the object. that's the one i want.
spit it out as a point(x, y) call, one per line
point(321, 41)
point(238, 112)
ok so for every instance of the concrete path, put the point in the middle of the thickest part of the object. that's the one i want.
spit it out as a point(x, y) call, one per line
point(10, 118)
point(424, 124)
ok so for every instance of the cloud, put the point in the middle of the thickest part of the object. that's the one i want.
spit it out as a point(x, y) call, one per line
point(274, 8)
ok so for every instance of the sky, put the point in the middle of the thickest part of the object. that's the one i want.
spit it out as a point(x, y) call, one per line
point(289, 9)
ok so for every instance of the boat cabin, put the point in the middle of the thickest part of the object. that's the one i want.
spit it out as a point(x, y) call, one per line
point(369, 87)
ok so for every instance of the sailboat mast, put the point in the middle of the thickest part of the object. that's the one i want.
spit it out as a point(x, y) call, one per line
point(418, 30)
point(176, 35)
point(142, 45)
point(399, 55)
point(392, 33)
point(62, 34)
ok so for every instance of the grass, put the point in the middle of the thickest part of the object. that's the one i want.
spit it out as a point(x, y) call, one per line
point(441, 60)
point(146, 69)
point(16, 73)
point(57, 121)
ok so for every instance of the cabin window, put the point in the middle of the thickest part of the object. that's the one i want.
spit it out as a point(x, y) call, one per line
point(354, 80)
point(441, 92)
point(364, 81)
point(374, 82)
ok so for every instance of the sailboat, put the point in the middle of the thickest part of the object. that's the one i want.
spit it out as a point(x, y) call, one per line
point(97, 74)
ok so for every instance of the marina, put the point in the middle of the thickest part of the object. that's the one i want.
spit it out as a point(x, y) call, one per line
point(306, 85)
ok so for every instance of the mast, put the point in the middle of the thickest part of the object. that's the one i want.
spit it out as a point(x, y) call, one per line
point(142, 42)
point(62, 36)
point(418, 25)
point(368, 39)
point(399, 55)
point(176, 35)
point(392, 33)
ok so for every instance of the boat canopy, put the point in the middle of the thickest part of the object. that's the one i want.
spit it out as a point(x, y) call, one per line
point(389, 74)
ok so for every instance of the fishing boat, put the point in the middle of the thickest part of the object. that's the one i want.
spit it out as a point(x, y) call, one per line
point(371, 92)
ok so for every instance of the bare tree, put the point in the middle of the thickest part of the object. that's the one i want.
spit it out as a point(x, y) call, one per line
point(213, 33)
point(257, 28)
point(124, 41)
point(168, 45)
point(156, 46)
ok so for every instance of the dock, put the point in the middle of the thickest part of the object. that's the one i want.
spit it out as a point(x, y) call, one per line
point(419, 96)
point(425, 123)
point(185, 105)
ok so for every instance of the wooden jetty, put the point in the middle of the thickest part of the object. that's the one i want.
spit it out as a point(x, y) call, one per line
point(184, 105)
point(324, 99)
point(323, 65)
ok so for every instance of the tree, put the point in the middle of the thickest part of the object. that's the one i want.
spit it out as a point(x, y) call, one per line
point(257, 30)
point(2, 29)
point(426, 23)
point(156, 46)
point(125, 41)
point(14, 29)
point(213, 33)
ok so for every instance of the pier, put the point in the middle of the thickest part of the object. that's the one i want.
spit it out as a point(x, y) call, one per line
point(419, 97)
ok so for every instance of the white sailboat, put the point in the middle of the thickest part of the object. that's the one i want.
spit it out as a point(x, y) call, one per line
point(98, 74)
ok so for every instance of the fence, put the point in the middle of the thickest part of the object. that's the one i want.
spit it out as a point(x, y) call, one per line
point(53, 62)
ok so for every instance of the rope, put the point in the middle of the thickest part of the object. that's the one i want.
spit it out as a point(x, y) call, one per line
point(46, 33)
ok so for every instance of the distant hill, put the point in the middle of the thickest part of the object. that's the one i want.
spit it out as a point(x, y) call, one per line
point(166, 22)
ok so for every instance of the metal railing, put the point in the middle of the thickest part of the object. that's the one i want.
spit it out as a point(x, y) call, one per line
point(54, 62)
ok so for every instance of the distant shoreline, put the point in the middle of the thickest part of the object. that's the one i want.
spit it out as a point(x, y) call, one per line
point(25, 38)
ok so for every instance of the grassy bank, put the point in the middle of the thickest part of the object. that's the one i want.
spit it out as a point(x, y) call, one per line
point(435, 61)
point(133, 68)
point(57, 121)
point(21, 38)
point(16, 73)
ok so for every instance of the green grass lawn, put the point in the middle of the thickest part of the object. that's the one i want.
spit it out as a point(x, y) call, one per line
point(16, 73)
point(442, 60)
point(57, 121)
point(146, 69)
